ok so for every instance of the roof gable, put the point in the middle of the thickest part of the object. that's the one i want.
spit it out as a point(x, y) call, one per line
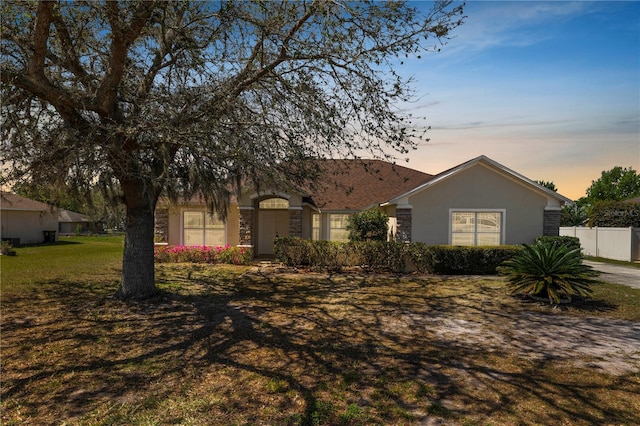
point(491, 164)
point(9, 201)
point(67, 216)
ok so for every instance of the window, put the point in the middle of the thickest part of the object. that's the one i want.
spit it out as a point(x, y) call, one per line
point(476, 228)
point(315, 227)
point(338, 227)
point(274, 203)
point(201, 228)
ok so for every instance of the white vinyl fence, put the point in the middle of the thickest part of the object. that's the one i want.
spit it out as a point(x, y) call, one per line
point(610, 243)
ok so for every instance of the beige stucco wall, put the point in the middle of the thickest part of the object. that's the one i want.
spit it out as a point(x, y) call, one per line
point(478, 187)
point(28, 225)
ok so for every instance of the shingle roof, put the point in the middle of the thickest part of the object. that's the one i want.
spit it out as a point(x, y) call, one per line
point(9, 201)
point(359, 184)
point(67, 216)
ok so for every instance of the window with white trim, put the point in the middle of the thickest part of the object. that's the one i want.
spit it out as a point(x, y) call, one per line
point(338, 227)
point(315, 226)
point(202, 229)
point(476, 228)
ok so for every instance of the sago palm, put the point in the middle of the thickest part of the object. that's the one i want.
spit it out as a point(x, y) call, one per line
point(549, 270)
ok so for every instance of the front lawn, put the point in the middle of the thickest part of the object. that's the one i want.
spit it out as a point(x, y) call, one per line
point(232, 345)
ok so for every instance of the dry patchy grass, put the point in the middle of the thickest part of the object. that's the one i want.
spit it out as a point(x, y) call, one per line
point(225, 345)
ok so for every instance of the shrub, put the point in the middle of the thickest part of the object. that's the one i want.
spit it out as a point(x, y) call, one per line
point(418, 253)
point(369, 225)
point(461, 260)
point(334, 256)
point(564, 240)
point(7, 249)
point(203, 254)
point(292, 251)
point(378, 256)
point(331, 255)
point(549, 270)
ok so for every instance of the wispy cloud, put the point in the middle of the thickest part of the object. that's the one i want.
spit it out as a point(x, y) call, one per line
point(491, 24)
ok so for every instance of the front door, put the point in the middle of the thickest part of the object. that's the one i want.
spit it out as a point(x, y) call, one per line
point(271, 224)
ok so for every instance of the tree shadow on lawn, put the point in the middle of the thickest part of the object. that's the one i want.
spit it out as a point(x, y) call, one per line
point(69, 350)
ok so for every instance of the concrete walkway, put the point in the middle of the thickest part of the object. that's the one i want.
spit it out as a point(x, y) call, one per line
point(617, 274)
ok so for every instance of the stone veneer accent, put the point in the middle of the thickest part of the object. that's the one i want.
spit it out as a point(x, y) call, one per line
point(161, 225)
point(295, 223)
point(246, 226)
point(403, 225)
point(551, 223)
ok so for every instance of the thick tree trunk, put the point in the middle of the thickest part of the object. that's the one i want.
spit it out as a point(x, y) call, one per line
point(138, 275)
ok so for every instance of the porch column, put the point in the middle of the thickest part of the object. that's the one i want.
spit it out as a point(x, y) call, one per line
point(245, 228)
point(295, 222)
point(551, 221)
point(403, 218)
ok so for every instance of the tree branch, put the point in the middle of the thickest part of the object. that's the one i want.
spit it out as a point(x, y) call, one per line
point(122, 39)
point(71, 61)
point(56, 96)
point(40, 38)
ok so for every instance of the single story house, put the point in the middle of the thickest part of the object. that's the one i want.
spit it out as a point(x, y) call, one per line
point(73, 223)
point(26, 221)
point(479, 202)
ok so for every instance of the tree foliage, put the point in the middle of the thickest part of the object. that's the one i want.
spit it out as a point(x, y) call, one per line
point(574, 215)
point(616, 184)
point(144, 98)
point(369, 225)
point(548, 184)
point(615, 214)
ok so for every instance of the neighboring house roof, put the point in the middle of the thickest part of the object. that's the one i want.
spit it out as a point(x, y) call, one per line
point(486, 161)
point(67, 216)
point(360, 184)
point(9, 201)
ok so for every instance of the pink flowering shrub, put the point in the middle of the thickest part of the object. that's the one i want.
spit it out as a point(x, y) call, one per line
point(203, 254)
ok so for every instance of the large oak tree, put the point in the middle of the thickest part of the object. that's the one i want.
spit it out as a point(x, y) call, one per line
point(152, 98)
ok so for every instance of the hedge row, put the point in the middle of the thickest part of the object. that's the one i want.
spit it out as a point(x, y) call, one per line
point(374, 256)
point(570, 242)
point(378, 256)
point(460, 260)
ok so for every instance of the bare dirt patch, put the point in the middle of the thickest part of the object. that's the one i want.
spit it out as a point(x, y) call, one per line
point(609, 345)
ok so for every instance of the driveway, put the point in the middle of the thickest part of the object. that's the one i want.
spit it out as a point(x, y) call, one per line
point(617, 274)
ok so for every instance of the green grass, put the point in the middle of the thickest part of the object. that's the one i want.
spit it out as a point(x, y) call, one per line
point(223, 346)
point(70, 259)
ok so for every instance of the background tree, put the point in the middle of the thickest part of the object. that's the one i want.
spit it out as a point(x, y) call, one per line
point(615, 214)
point(50, 194)
point(574, 215)
point(616, 184)
point(96, 205)
point(146, 98)
point(547, 184)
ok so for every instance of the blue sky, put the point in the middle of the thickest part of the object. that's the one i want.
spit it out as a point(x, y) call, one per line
point(548, 89)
